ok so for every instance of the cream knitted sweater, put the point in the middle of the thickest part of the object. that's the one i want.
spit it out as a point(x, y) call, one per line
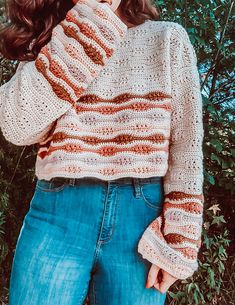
point(108, 101)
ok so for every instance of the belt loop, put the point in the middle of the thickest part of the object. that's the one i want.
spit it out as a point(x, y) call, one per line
point(136, 186)
point(72, 181)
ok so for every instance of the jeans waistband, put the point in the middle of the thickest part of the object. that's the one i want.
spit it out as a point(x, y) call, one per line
point(123, 180)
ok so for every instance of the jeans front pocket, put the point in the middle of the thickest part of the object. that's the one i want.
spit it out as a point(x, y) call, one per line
point(152, 194)
point(54, 185)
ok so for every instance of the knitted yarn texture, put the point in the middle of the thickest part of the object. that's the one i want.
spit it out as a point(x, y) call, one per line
point(105, 101)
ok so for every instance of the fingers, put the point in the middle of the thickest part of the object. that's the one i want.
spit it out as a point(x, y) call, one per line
point(101, 1)
point(159, 278)
point(107, 1)
point(167, 281)
point(152, 275)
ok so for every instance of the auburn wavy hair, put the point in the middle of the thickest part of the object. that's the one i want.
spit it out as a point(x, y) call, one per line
point(34, 21)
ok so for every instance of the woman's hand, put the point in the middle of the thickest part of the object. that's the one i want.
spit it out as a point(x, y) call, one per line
point(113, 4)
point(103, 1)
point(160, 279)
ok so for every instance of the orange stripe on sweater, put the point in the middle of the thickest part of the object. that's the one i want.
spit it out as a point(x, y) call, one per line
point(75, 69)
point(59, 90)
point(175, 238)
point(191, 207)
point(155, 226)
point(89, 32)
point(105, 16)
point(124, 97)
point(57, 70)
point(120, 139)
point(137, 106)
point(103, 151)
point(189, 253)
point(178, 195)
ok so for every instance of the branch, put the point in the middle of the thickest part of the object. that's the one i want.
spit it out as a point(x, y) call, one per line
point(12, 177)
point(213, 64)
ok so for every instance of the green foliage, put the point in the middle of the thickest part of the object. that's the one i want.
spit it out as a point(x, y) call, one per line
point(210, 27)
point(16, 185)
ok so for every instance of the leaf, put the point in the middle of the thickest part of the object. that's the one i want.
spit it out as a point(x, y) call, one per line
point(190, 287)
point(221, 267)
point(195, 295)
point(217, 144)
point(232, 152)
point(218, 220)
point(215, 208)
point(214, 157)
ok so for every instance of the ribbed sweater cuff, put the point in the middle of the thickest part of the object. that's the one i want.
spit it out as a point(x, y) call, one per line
point(153, 247)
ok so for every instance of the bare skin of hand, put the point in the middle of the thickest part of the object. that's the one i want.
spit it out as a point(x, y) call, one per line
point(115, 7)
point(159, 279)
point(112, 3)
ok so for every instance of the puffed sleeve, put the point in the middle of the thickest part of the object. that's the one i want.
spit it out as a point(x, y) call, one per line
point(44, 89)
point(173, 239)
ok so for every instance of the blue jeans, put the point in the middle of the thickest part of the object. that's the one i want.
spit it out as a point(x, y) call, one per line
point(79, 238)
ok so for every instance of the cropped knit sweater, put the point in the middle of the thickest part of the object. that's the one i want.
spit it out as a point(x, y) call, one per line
point(107, 101)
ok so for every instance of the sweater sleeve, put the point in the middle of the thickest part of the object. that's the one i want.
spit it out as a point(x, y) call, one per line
point(44, 89)
point(173, 239)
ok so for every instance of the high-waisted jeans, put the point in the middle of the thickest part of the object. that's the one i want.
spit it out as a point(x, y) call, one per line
point(79, 238)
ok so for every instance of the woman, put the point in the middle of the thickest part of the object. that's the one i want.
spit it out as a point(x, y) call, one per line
point(112, 99)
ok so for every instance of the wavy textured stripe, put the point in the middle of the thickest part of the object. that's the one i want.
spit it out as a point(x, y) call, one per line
point(124, 97)
point(99, 173)
point(104, 128)
point(190, 207)
point(60, 91)
point(90, 50)
point(103, 15)
point(89, 32)
point(137, 106)
point(77, 60)
point(188, 230)
point(185, 200)
point(177, 195)
point(188, 252)
point(74, 59)
point(94, 126)
point(120, 139)
point(104, 151)
point(174, 238)
point(80, 61)
point(57, 70)
point(122, 160)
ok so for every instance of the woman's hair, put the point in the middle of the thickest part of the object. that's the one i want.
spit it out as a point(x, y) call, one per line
point(34, 21)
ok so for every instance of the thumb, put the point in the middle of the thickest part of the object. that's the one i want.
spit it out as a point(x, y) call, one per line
point(152, 275)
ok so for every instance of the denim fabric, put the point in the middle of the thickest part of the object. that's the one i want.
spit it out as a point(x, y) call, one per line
point(80, 237)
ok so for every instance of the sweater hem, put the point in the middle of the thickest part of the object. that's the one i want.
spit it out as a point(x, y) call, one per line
point(45, 176)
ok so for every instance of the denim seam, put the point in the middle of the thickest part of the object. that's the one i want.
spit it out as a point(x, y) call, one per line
point(116, 188)
point(136, 186)
point(98, 243)
point(105, 208)
point(97, 251)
